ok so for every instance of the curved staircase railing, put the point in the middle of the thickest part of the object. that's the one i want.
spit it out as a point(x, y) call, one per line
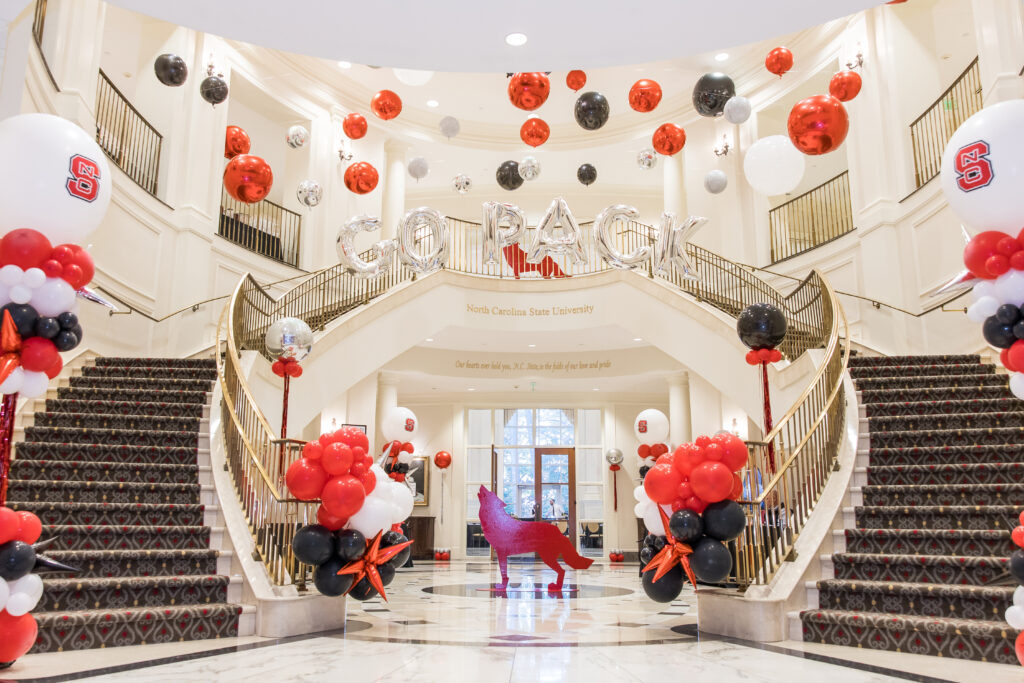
point(804, 440)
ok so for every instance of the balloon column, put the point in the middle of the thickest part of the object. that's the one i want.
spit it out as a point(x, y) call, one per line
point(1015, 613)
point(443, 460)
point(762, 327)
point(651, 430)
point(398, 426)
point(614, 458)
point(289, 340)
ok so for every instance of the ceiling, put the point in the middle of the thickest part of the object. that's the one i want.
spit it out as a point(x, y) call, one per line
point(469, 35)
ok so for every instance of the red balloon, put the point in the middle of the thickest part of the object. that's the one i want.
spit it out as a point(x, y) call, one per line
point(845, 85)
point(711, 481)
point(248, 178)
point(1016, 354)
point(55, 369)
point(691, 456)
point(9, 525)
point(534, 132)
point(327, 438)
point(17, 635)
point(358, 468)
point(354, 126)
point(1018, 647)
point(779, 61)
point(24, 248)
point(1008, 246)
point(64, 254)
point(361, 177)
point(696, 504)
point(312, 450)
point(684, 490)
point(776, 356)
point(645, 95)
point(737, 488)
point(305, 479)
point(38, 354)
point(659, 449)
point(818, 124)
point(668, 139)
point(277, 367)
point(1017, 535)
point(1004, 358)
point(293, 369)
point(408, 447)
point(529, 90)
point(764, 355)
point(664, 459)
point(575, 79)
point(386, 105)
point(337, 458)
point(443, 459)
point(735, 452)
point(78, 269)
point(369, 482)
point(661, 483)
point(325, 518)
point(752, 358)
point(977, 252)
point(1021, 518)
point(343, 496)
point(236, 141)
point(714, 451)
point(702, 441)
point(643, 450)
point(29, 527)
point(997, 264)
point(52, 268)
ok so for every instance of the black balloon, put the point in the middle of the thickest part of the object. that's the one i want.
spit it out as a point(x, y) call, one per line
point(387, 572)
point(649, 540)
point(686, 526)
point(591, 110)
point(657, 542)
point(724, 520)
point(1008, 314)
point(350, 544)
point(170, 69)
point(67, 320)
point(761, 326)
point(711, 561)
point(665, 589)
point(508, 176)
point(394, 538)
point(16, 560)
point(24, 317)
point(1017, 566)
point(65, 341)
point(644, 470)
point(48, 328)
point(313, 544)
point(998, 334)
point(363, 590)
point(586, 174)
point(711, 93)
point(1018, 330)
point(647, 554)
point(328, 581)
point(77, 331)
point(214, 89)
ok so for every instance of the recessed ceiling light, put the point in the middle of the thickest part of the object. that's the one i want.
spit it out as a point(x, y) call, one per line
point(345, 65)
point(596, 389)
point(471, 389)
point(515, 39)
point(532, 345)
point(429, 339)
point(721, 56)
point(638, 339)
point(433, 103)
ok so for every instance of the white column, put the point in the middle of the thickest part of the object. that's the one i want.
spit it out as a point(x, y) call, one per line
point(674, 184)
point(393, 202)
point(680, 425)
point(387, 400)
point(999, 31)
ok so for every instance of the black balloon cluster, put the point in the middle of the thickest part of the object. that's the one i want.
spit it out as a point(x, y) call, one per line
point(330, 551)
point(1005, 327)
point(64, 330)
point(396, 467)
point(706, 534)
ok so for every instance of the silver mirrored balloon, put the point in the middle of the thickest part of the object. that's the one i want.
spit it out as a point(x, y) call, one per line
point(290, 339)
point(646, 159)
point(549, 241)
point(529, 168)
point(410, 231)
point(606, 241)
point(716, 181)
point(297, 137)
point(462, 183)
point(383, 251)
point(309, 193)
point(496, 237)
point(737, 109)
point(418, 168)
point(449, 126)
point(613, 456)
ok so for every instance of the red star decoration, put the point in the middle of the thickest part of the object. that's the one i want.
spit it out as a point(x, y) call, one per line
point(10, 346)
point(366, 566)
point(673, 553)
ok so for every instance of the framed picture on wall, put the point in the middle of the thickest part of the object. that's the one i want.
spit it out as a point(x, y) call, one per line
point(361, 428)
point(419, 474)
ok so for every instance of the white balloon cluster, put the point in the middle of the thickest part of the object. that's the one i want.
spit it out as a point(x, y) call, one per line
point(988, 296)
point(21, 596)
point(1015, 612)
point(647, 510)
point(389, 503)
point(50, 296)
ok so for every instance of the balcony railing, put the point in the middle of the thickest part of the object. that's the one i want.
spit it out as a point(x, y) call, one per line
point(38, 19)
point(812, 219)
point(265, 227)
point(933, 129)
point(126, 136)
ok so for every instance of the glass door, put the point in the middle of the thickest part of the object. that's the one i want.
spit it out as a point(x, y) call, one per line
point(555, 488)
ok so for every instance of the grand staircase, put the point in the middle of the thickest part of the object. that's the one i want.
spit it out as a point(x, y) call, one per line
point(112, 467)
point(923, 559)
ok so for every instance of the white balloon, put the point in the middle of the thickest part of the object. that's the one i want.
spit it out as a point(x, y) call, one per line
point(1014, 616)
point(975, 314)
point(12, 385)
point(639, 494)
point(983, 168)
point(34, 277)
point(375, 515)
point(21, 603)
point(1018, 596)
point(53, 298)
point(405, 457)
point(737, 109)
point(11, 275)
point(638, 510)
point(30, 585)
point(652, 520)
point(5, 593)
point(5, 294)
point(449, 126)
point(716, 181)
point(399, 424)
point(986, 306)
point(60, 184)
point(381, 476)
point(404, 501)
point(20, 294)
point(651, 426)
point(1016, 385)
point(34, 384)
point(983, 289)
point(650, 461)
point(1009, 289)
point(773, 166)
point(418, 168)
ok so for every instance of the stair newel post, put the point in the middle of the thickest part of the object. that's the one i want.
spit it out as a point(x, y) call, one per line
point(767, 415)
point(7, 408)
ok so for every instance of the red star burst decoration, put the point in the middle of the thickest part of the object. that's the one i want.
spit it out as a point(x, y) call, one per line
point(10, 346)
point(673, 553)
point(366, 566)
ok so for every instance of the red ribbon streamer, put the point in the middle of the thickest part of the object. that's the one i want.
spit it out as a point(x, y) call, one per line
point(767, 415)
point(7, 406)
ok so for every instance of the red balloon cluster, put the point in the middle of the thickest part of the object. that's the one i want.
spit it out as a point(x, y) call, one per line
point(534, 132)
point(616, 556)
point(17, 634)
point(779, 61)
point(992, 253)
point(28, 248)
point(1017, 535)
point(20, 525)
point(845, 85)
point(286, 367)
point(758, 356)
point(818, 124)
point(361, 177)
point(354, 126)
point(248, 178)
point(393, 448)
point(575, 79)
point(336, 469)
point(440, 555)
point(651, 450)
point(699, 473)
point(645, 95)
point(236, 141)
point(443, 459)
point(529, 90)
point(386, 105)
point(668, 139)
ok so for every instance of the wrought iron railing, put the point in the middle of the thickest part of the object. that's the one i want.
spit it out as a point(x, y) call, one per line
point(38, 21)
point(126, 136)
point(812, 219)
point(266, 228)
point(801, 439)
point(930, 132)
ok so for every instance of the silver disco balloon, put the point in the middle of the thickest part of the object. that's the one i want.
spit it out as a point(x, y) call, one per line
point(613, 456)
point(449, 126)
point(462, 183)
point(297, 137)
point(418, 168)
point(309, 193)
point(715, 181)
point(646, 159)
point(289, 339)
point(737, 109)
point(529, 168)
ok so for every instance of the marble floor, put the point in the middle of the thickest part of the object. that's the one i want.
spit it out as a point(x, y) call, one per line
point(444, 622)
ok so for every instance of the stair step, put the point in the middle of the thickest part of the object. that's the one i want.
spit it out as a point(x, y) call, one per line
point(953, 409)
point(938, 569)
point(959, 542)
point(922, 475)
point(994, 391)
point(938, 517)
point(974, 381)
point(128, 537)
point(90, 435)
point(158, 423)
point(911, 423)
point(95, 563)
point(944, 494)
point(947, 455)
point(86, 514)
point(136, 591)
point(122, 493)
point(880, 361)
point(985, 603)
point(992, 436)
point(140, 408)
point(103, 471)
point(131, 362)
point(149, 395)
point(152, 372)
point(95, 453)
point(989, 641)
point(920, 370)
point(160, 383)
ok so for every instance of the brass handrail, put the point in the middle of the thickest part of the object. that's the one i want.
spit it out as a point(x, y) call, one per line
point(265, 228)
point(930, 131)
point(812, 219)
